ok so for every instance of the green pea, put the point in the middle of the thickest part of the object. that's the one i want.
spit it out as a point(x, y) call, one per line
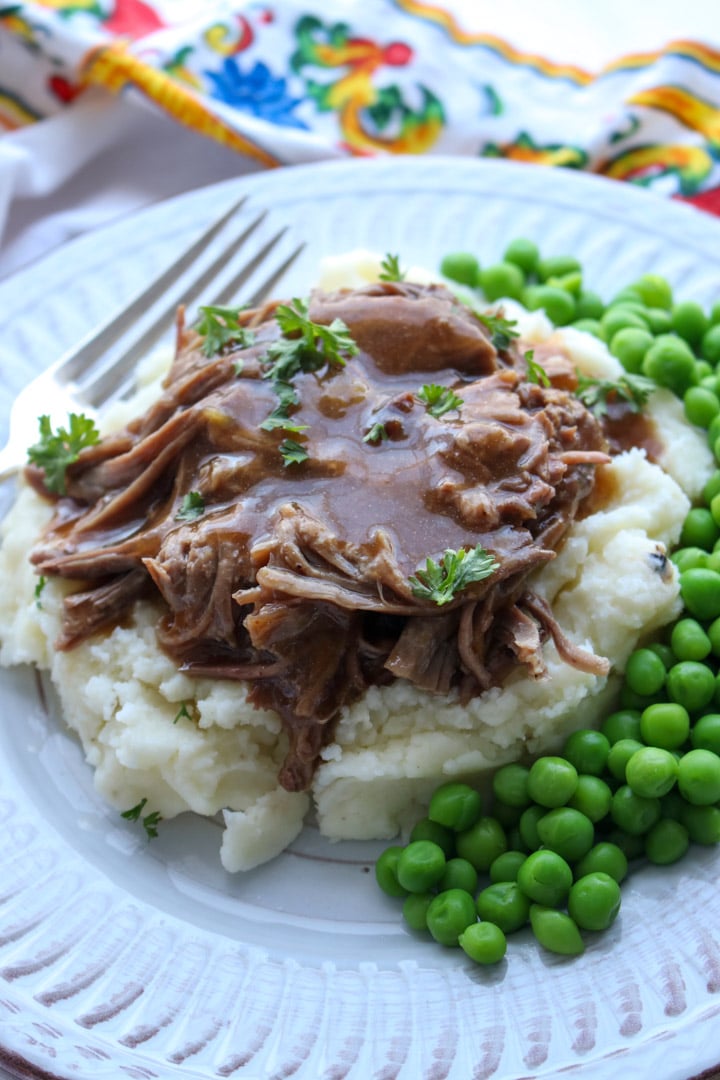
point(654, 291)
point(556, 931)
point(482, 843)
point(620, 754)
point(594, 901)
point(623, 724)
point(455, 805)
point(592, 797)
point(629, 345)
point(633, 813)
point(689, 558)
point(448, 914)
point(702, 823)
point(484, 943)
point(515, 840)
point(558, 305)
point(690, 684)
point(420, 866)
point(545, 877)
point(505, 904)
point(557, 266)
point(703, 370)
point(699, 777)
point(589, 326)
point(567, 832)
point(713, 632)
point(629, 699)
point(700, 590)
point(705, 733)
point(710, 345)
point(527, 826)
point(458, 874)
point(659, 320)
point(689, 321)
point(689, 640)
point(523, 253)
point(506, 866)
point(622, 317)
point(462, 267)
point(589, 306)
point(666, 725)
point(666, 842)
point(665, 653)
point(552, 781)
point(415, 910)
point(571, 283)
point(386, 871)
point(645, 672)
point(712, 487)
point(713, 431)
point(670, 362)
point(630, 296)
point(606, 858)
point(699, 529)
point(501, 280)
point(510, 785)
point(651, 772)
point(631, 846)
point(587, 751)
point(425, 829)
point(715, 313)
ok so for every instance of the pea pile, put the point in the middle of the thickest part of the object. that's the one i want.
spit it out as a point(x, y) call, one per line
point(561, 831)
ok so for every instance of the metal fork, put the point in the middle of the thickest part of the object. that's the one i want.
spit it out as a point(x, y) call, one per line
point(222, 260)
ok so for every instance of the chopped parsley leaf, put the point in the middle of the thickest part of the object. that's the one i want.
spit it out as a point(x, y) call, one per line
point(502, 331)
point(376, 434)
point(439, 399)
point(220, 327)
point(536, 373)
point(42, 582)
point(56, 450)
point(150, 822)
point(192, 506)
point(634, 390)
point(440, 582)
point(292, 452)
point(182, 713)
point(390, 269)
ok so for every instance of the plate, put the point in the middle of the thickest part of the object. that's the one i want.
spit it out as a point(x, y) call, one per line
point(122, 958)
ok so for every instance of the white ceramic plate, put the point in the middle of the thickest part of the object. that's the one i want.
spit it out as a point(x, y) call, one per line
point(120, 958)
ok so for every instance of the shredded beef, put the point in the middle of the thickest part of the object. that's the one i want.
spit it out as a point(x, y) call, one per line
point(296, 578)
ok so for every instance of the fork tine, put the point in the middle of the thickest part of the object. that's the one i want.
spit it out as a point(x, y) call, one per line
point(102, 337)
point(117, 375)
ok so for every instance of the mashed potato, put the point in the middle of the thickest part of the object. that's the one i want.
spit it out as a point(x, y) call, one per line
point(150, 732)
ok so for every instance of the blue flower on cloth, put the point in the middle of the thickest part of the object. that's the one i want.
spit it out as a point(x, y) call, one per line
point(256, 91)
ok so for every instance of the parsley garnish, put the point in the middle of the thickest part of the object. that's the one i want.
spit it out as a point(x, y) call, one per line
point(439, 399)
point(56, 450)
point(632, 389)
point(220, 327)
point(501, 330)
point(376, 434)
point(292, 452)
point(42, 582)
point(390, 269)
point(150, 822)
point(536, 373)
point(238, 366)
point(182, 713)
point(313, 344)
point(192, 506)
point(440, 582)
point(311, 347)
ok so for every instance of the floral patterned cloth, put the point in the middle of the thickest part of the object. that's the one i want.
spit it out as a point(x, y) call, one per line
point(292, 80)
